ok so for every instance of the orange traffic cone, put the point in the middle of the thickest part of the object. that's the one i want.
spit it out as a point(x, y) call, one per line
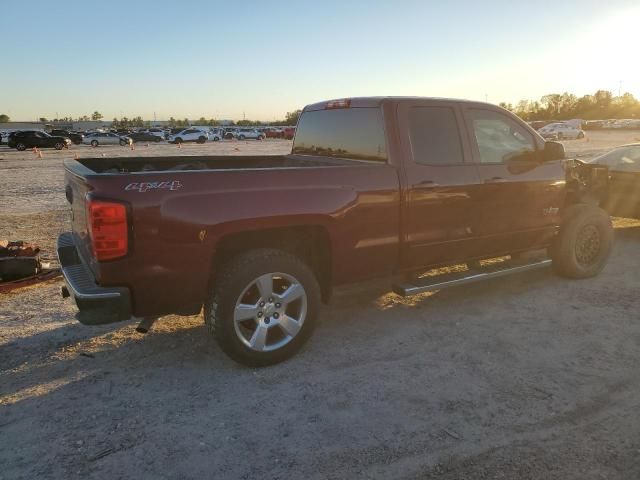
point(39, 154)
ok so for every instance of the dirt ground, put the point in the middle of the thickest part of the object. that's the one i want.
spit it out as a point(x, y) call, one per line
point(527, 377)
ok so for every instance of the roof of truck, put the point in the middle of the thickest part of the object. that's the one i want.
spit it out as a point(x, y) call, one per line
point(356, 102)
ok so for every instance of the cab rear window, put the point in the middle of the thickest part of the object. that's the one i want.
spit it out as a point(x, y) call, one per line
point(354, 133)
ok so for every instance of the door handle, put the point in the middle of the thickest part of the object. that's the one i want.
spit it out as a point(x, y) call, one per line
point(495, 180)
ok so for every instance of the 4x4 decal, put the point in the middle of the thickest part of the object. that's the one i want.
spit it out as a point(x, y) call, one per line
point(146, 186)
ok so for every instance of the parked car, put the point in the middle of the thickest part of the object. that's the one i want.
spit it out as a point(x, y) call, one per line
point(623, 198)
point(538, 124)
point(96, 139)
point(230, 132)
point(260, 241)
point(273, 132)
point(35, 138)
point(189, 135)
point(561, 131)
point(75, 137)
point(145, 137)
point(158, 132)
point(288, 133)
point(250, 133)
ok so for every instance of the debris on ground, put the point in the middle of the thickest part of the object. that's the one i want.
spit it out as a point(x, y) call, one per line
point(20, 265)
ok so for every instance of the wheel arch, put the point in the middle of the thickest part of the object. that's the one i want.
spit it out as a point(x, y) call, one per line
point(310, 243)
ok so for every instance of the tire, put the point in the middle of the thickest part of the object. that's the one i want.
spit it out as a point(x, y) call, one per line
point(58, 146)
point(201, 140)
point(122, 143)
point(241, 137)
point(216, 139)
point(583, 246)
point(94, 143)
point(237, 282)
point(21, 147)
point(178, 140)
point(580, 135)
point(260, 137)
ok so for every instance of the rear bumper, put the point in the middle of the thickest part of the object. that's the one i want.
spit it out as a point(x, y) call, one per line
point(96, 305)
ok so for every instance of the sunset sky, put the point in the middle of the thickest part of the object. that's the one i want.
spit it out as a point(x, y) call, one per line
point(262, 59)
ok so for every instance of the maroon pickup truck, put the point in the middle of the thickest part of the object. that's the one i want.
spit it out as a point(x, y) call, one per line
point(374, 187)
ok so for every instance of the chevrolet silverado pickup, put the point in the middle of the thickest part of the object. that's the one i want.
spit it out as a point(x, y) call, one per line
point(373, 187)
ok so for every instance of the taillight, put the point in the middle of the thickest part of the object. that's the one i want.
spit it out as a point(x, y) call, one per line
point(108, 229)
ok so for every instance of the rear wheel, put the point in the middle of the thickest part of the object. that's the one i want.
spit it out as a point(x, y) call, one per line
point(216, 139)
point(58, 146)
point(201, 139)
point(21, 147)
point(263, 306)
point(94, 143)
point(583, 246)
point(580, 135)
point(178, 140)
point(122, 143)
point(241, 137)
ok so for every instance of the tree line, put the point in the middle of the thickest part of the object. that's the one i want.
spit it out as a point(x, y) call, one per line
point(291, 118)
point(602, 105)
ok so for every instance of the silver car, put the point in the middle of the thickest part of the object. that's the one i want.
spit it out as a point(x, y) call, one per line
point(105, 138)
point(245, 133)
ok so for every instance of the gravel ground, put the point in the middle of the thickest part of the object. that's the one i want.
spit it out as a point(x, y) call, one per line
point(528, 377)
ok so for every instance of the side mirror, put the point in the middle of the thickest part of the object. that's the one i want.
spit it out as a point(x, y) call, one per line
point(553, 151)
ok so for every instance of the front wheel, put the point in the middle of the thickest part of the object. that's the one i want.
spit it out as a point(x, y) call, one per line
point(583, 245)
point(122, 143)
point(58, 146)
point(580, 135)
point(21, 147)
point(94, 143)
point(241, 137)
point(201, 139)
point(263, 307)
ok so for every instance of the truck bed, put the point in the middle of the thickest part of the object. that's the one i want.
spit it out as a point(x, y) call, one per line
point(195, 163)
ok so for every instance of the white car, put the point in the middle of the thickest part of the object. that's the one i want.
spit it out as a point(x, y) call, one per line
point(561, 131)
point(105, 138)
point(189, 135)
point(158, 132)
point(245, 133)
point(215, 134)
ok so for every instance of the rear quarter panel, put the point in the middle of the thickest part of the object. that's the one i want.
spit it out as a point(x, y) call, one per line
point(175, 232)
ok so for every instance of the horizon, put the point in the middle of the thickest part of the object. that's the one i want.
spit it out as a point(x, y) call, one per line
point(260, 64)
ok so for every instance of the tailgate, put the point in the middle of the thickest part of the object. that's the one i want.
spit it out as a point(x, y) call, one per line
point(76, 189)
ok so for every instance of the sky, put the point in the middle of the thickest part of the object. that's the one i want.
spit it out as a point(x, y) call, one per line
point(261, 59)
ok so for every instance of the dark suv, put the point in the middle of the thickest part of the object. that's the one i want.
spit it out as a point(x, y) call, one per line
point(75, 137)
point(35, 138)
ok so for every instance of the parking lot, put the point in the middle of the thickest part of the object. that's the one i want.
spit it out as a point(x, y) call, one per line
point(531, 376)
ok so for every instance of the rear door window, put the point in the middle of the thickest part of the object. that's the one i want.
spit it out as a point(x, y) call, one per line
point(355, 133)
point(435, 136)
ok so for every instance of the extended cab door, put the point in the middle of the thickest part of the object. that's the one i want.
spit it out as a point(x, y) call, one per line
point(440, 208)
point(521, 195)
